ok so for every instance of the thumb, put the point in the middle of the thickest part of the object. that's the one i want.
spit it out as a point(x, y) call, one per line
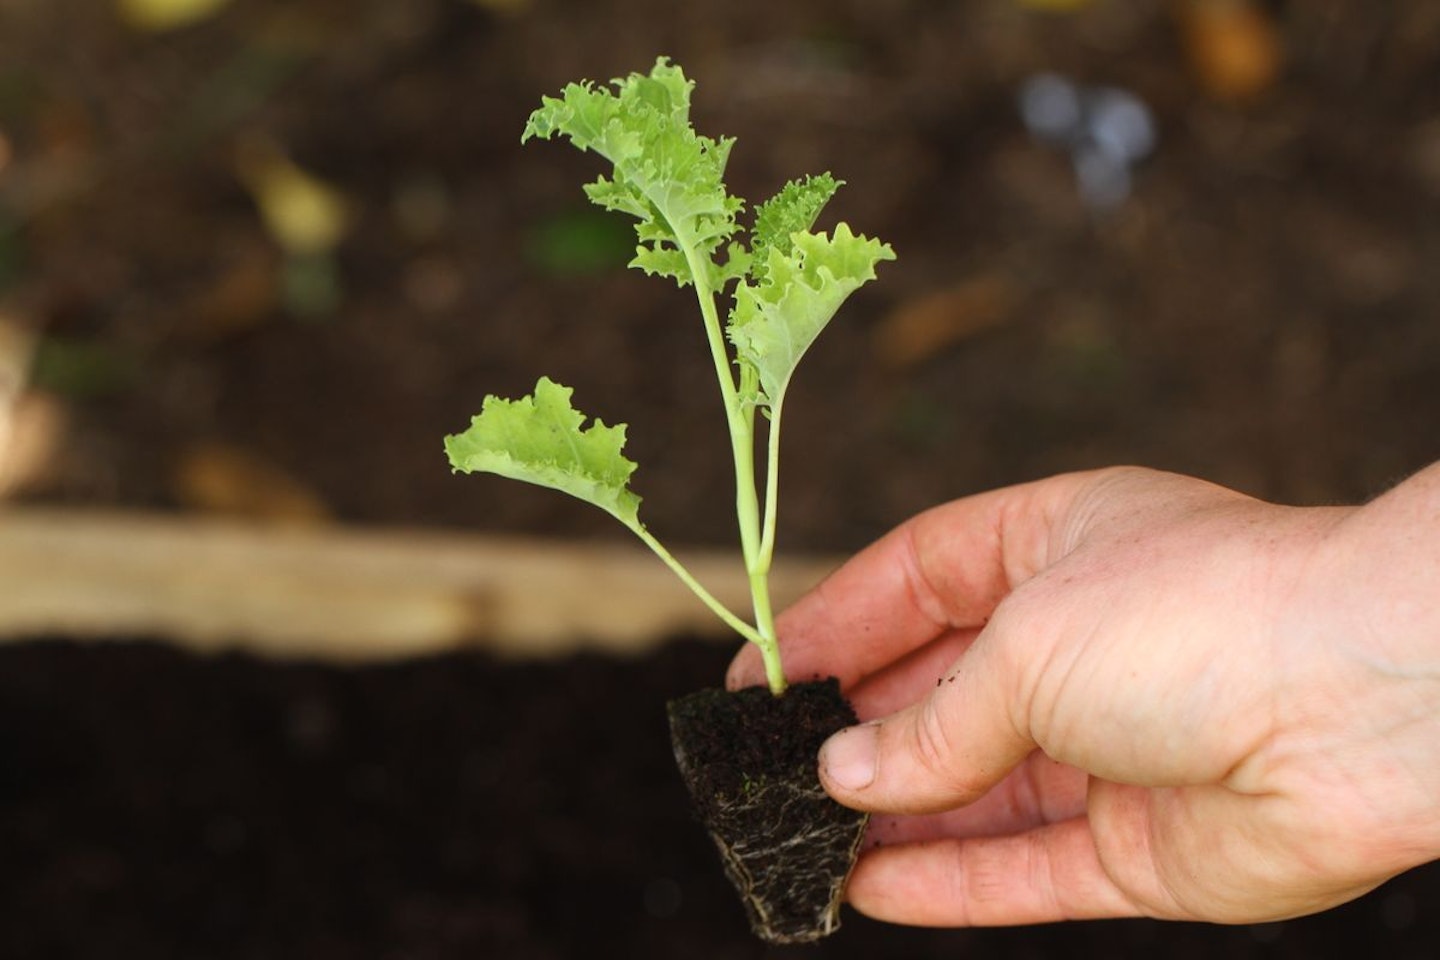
point(940, 753)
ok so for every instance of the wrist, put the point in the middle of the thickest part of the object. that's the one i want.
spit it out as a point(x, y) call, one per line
point(1379, 612)
point(1390, 551)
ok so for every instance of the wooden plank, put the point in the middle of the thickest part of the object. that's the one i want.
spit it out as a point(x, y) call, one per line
point(346, 594)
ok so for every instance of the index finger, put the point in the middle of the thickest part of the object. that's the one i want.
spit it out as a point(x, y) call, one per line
point(944, 569)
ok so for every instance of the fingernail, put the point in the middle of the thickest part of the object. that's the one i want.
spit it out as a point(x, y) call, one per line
point(848, 758)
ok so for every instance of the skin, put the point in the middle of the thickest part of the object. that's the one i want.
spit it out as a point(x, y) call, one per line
point(1130, 693)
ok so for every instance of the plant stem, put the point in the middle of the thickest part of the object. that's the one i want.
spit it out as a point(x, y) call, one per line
point(772, 483)
point(740, 418)
point(696, 587)
point(768, 643)
point(760, 568)
point(742, 432)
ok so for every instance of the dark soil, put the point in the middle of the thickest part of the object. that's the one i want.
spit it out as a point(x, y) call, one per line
point(158, 805)
point(748, 760)
point(731, 736)
point(1261, 312)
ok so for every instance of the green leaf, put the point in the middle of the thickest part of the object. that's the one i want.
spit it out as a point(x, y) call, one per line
point(793, 210)
point(666, 176)
point(540, 439)
point(777, 318)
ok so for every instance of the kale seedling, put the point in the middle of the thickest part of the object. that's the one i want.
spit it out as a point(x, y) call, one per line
point(784, 285)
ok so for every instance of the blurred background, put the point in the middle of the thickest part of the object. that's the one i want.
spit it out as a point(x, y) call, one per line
point(257, 257)
point(262, 258)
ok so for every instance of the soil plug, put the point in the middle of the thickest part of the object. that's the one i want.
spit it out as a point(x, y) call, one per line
point(749, 761)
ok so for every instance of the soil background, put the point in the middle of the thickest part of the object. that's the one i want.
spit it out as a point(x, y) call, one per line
point(1261, 312)
point(154, 804)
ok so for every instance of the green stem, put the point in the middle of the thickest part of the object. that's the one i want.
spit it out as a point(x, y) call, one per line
point(772, 483)
point(768, 643)
point(696, 587)
point(742, 433)
point(740, 418)
point(760, 569)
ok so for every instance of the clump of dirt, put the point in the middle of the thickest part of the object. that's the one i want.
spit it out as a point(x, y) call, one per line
point(748, 759)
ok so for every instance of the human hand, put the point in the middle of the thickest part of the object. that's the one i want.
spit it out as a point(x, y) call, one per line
point(1132, 693)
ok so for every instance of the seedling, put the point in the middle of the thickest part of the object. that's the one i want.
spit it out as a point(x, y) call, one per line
point(784, 285)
